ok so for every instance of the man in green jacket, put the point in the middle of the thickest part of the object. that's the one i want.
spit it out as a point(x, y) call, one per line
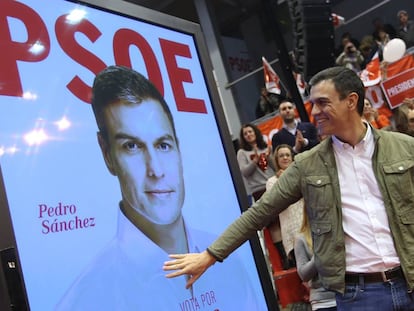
point(358, 187)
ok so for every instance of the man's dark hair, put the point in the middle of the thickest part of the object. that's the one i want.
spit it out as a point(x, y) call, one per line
point(116, 83)
point(287, 100)
point(345, 81)
point(259, 138)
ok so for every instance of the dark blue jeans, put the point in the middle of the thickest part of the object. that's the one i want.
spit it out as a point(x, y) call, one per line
point(392, 296)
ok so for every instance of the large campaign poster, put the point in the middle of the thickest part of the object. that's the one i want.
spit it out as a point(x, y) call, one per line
point(64, 203)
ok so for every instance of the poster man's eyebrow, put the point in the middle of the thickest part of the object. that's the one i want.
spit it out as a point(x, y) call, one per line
point(162, 138)
point(165, 137)
point(122, 135)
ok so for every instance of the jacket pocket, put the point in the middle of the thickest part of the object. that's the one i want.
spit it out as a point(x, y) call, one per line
point(399, 179)
point(407, 218)
point(406, 230)
point(319, 195)
point(322, 236)
point(321, 228)
point(400, 167)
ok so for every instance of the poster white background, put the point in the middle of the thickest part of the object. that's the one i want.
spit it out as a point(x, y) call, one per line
point(67, 167)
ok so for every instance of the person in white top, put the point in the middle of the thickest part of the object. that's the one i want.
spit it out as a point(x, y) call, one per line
point(290, 219)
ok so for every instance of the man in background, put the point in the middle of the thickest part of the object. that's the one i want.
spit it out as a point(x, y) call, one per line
point(300, 136)
point(406, 28)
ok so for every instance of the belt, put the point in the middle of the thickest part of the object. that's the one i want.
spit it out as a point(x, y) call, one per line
point(375, 277)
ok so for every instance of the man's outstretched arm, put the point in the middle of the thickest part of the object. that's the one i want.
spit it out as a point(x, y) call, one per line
point(285, 192)
point(193, 265)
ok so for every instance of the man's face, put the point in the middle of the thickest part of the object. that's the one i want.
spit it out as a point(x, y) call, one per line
point(403, 18)
point(143, 153)
point(330, 112)
point(287, 112)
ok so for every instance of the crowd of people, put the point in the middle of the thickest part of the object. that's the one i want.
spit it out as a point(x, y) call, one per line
point(355, 55)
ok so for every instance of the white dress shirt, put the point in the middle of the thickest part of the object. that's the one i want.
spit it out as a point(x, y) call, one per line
point(368, 242)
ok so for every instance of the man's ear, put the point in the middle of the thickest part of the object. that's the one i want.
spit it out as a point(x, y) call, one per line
point(353, 101)
point(106, 153)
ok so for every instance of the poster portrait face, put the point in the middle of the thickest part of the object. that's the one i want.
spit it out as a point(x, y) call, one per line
point(142, 151)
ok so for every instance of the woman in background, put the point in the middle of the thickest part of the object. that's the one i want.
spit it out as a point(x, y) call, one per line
point(254, 161)
point(291, 218)
point(372, 116)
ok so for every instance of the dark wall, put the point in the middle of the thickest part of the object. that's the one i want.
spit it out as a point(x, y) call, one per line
point(5, 241)
point(4, 299)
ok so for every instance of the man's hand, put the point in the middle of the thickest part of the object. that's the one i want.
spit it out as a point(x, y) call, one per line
point(193, 265)
point(299, 142)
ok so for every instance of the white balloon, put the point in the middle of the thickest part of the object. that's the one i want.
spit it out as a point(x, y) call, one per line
point(394, 50)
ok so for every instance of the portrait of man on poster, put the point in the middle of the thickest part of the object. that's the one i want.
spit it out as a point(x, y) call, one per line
point(139, 144)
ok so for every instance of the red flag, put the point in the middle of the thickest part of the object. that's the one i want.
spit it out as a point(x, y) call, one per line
point(371, 75)
point(270, 77)
point(300, 83)
point(337, 20)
